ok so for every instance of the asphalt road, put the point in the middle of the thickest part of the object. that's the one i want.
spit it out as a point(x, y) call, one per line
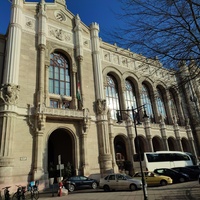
point(180, 191)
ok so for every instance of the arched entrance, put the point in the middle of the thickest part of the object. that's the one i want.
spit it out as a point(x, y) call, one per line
point(157, 144)
point(61, 143)
point(172, 144)
point(121, 154)
point(142, 144)
point(185, 145)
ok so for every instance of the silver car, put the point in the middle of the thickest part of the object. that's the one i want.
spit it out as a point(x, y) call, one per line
point(119, 182)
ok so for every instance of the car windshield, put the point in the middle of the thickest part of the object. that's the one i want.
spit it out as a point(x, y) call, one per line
point(128, 177)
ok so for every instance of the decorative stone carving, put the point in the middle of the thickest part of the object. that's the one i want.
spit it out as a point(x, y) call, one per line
point(62, 2)
point(59, 34)
point(9, 93)
point(116, 59)
point(86, 119)
point(59, 16)
point(101, 106)
point(41, 122)
point(30, 23)
point(107, 56)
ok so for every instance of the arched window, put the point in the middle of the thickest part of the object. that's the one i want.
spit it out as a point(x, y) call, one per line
point(112, 97)
point(146, 100)
point(59, 78)
point(130, 97)
point(173, 106)
point(160, 104)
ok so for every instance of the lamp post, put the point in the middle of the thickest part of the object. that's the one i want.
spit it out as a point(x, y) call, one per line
point(136, 114)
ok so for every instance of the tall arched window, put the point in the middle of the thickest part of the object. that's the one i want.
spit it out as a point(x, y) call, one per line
point(59, 77)
point(172, 104)
point(146, 100)
point(160, 104)
point(130, 97)
point(112, 97)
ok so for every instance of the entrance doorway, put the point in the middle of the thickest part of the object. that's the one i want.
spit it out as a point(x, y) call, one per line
point(61, 143)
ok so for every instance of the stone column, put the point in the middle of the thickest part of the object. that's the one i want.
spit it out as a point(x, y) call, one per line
point(105, 157)
point(147, 128)
point(177, 134)
point(154, 106)
point(9, 92)
point(79, 57)
point(191, 139)
point(131, 139)
point(111, 137)
point(74, 102)
point(168, 108)
point(38, 156)
point(84, 155)
point(164, 134)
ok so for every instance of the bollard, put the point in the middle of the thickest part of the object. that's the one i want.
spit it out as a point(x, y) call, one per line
point(60, 189)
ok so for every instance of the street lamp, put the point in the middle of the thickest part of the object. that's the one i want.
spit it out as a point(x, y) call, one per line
point(136, 121)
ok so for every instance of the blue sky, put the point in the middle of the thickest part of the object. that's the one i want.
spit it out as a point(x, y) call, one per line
point(100, 11)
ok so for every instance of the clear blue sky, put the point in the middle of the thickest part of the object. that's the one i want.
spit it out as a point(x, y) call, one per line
point(100, 11)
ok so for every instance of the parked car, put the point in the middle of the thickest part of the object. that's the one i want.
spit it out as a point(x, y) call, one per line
point(199, 178)
point(117, 181)
point(177, 177)
point(79, 182)
point(190, 172)
point(194, 167)
point(152, 178)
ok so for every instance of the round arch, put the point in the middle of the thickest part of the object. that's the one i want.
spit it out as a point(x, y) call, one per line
point(142, 144)
point(185, 145)
point(172, 144)
point(61, 143)
point(157, 144)
point(122, 153)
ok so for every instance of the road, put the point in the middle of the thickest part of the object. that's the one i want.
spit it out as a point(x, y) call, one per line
point(181, 191)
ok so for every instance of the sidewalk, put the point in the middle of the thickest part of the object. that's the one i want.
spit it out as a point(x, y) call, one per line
point(182, 191)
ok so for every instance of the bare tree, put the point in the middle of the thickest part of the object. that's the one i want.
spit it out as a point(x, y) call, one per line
point(168, 29)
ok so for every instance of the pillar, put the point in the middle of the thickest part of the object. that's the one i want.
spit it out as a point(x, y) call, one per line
point(40, 126)
point(9, 92)
point(164, 134)
point(105, 157)
point(147, 129)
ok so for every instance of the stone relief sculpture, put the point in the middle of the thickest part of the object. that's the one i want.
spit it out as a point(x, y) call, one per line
point(101, 106)
point(9, 93)
point(59, 34)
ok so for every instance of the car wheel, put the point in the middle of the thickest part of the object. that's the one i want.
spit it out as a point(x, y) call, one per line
point(163, 182)
point(106, 188)
point(94, 185)
point(71, 188)
point(133, 187)
point(181, 180)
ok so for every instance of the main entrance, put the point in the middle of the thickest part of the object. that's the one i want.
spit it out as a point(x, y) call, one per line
point(61, 143)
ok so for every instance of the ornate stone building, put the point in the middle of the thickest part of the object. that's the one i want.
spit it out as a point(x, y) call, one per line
point(61, 86)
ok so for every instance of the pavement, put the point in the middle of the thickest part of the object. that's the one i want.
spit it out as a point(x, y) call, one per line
point(181, 191)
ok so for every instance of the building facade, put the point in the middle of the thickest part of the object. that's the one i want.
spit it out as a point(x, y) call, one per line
point(61, 87)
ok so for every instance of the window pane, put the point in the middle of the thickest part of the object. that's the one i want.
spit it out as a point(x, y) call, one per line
point(112, 95)
point(56, 75)
point(160, 104)
point(50, 72)
point(62, 77)
point(56, 87)
point(59, 75)
point(147, 102)
point(130, 97)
